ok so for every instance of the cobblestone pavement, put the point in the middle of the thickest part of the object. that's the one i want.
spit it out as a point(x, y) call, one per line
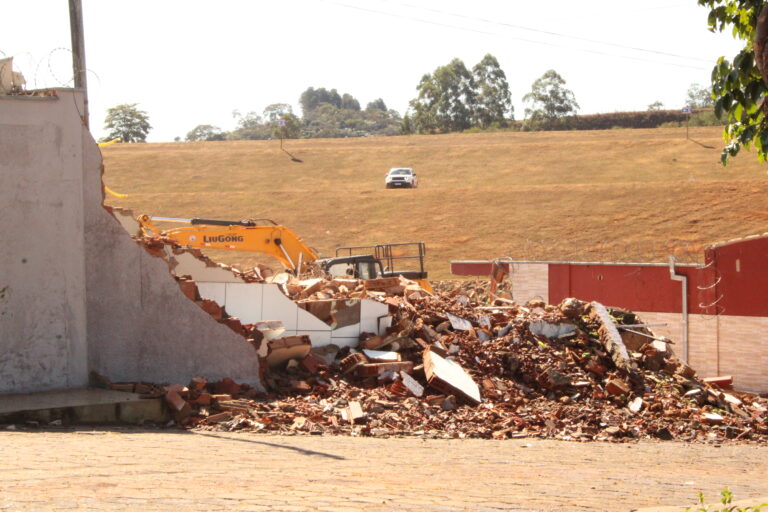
point(123, 469)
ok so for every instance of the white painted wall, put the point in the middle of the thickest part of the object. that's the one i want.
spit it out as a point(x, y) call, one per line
point(256, 302)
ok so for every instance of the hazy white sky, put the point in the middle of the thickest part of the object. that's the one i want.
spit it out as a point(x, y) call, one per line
point(190, 62)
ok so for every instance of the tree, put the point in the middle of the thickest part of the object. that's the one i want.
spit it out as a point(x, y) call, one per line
point(377, 104)
point(446, 99)
point(699, 97)
point(249, 127)
point(127, 123)
point(284, 124)
point(406, 127)
point(325, 113)
point(349, 102)
point(739, 87)
point(549, 99)
point(313, 98)
point(276, 111)
point(205, 132)
point(493, 100)
point(656, 105)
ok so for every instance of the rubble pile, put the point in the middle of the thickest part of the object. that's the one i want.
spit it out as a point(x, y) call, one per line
point(478, 291)
point(450, 367)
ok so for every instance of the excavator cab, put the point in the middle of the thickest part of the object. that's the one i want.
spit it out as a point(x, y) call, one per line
point(359, 267)
point(388, 260)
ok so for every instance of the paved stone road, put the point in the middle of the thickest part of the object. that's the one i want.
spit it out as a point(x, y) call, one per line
point(153, 470)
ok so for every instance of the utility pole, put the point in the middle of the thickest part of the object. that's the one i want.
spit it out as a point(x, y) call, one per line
point(78, 52)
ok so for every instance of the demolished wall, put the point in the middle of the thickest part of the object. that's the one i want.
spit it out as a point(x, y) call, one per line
point(82, 295)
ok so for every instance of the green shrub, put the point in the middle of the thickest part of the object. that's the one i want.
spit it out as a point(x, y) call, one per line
point(726, 497)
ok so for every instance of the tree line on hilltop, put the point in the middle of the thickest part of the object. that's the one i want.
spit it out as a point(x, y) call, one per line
point(452, 98)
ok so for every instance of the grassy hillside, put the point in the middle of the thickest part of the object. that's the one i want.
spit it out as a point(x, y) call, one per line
point(621, 195)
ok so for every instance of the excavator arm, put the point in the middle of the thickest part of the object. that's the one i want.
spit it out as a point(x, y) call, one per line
point(246, 235)
point(285, 245)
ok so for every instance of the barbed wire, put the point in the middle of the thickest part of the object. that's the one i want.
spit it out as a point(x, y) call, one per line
point(51, 70)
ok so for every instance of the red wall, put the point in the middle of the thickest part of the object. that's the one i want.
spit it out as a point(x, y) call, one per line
point(733, 281)
point(472, 268)
point(742, 271)
point(636, 287)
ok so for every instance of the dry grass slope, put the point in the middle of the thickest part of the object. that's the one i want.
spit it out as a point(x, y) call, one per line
point(623, 195)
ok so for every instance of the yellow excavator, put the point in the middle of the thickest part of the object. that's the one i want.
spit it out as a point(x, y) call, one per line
point(267, 237)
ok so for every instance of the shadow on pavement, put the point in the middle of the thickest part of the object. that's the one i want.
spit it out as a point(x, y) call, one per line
point(275, 445)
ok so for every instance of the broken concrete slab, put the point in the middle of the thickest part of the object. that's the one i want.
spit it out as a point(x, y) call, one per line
point(353, 413)
point(611, 339)
point(712, 418)
point(412, 385)
point(449, 377)
point(381, 356)
point(459, 324)
point(550, 330)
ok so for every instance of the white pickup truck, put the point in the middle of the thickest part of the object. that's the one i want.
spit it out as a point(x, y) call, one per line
point(401, 177)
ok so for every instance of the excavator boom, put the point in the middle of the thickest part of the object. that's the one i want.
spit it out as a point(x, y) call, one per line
point(282, 243)
point(272, 239)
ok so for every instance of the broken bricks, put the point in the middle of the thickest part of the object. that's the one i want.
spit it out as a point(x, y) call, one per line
point(569, 386)
point(617, 387)
point(281, 350)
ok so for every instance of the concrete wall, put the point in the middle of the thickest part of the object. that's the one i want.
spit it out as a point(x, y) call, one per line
point(42, 244)
point(79, 293)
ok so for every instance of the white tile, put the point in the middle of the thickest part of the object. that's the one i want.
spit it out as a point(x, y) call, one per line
point(213, 291)
point(349, 331)
point(370, 312)
point(245, 300)
point(276, 306)
point(343, 342)
point(308, 321)
point(187, 264)
point(319, 338)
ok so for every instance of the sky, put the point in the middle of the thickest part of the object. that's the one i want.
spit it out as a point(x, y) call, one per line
point(192, 62)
